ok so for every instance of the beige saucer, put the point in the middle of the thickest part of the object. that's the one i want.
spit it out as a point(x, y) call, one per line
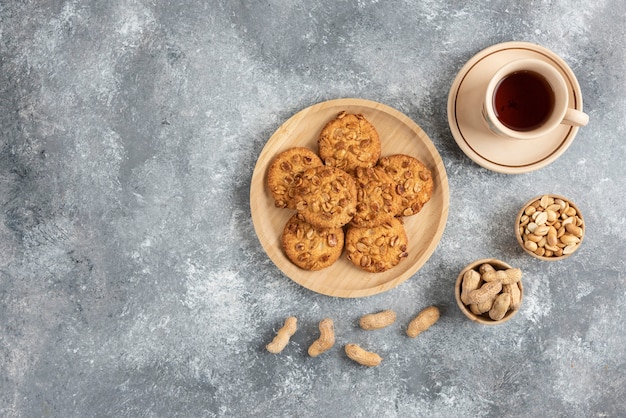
point(511, 156)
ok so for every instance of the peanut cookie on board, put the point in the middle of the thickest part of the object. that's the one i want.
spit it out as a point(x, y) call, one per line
point(284, 172)
point(377, 201)
point(349, 141)
point(326, 198)
point(377, 249)
point(414, 182)
point(311, 248)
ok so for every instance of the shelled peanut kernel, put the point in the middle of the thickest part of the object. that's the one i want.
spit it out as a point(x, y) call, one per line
point(551, 227)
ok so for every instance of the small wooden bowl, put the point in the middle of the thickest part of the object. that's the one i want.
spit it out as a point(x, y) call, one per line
point(484, 318)
point(520, 239)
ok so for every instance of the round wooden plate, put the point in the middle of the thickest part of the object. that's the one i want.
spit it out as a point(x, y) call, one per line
point(398, 134)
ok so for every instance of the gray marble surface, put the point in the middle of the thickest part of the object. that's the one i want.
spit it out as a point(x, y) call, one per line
point(131, 279)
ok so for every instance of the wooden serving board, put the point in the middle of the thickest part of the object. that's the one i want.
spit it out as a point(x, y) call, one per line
point(398, 135)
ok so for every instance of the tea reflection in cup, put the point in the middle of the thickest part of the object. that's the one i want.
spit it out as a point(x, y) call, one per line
point(528, 98)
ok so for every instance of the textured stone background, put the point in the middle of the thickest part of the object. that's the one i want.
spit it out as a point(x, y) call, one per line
point(131, 279)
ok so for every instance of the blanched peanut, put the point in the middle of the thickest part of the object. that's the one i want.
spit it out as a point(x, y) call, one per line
point(569, 239)
point(574, 230)
point(530, 245)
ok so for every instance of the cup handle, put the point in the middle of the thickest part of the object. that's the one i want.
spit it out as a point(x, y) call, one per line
point(575, 118)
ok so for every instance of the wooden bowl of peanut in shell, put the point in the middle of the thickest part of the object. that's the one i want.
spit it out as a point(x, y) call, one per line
point(481, 313)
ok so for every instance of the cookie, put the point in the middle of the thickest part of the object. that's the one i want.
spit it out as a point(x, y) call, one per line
point(377, 249)
point(348, 142)
point(377, 201)
point(283, 174)
point(311, 248)
point(414, 182)
point(326, 197)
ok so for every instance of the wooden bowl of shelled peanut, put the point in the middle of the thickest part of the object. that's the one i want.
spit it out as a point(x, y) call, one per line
point(489, 291)
point(549, 227)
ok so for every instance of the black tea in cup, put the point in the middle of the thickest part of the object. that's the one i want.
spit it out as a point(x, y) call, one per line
point(523, 100)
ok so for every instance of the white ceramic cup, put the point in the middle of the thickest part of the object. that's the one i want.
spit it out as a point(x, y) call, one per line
point(561, 112)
